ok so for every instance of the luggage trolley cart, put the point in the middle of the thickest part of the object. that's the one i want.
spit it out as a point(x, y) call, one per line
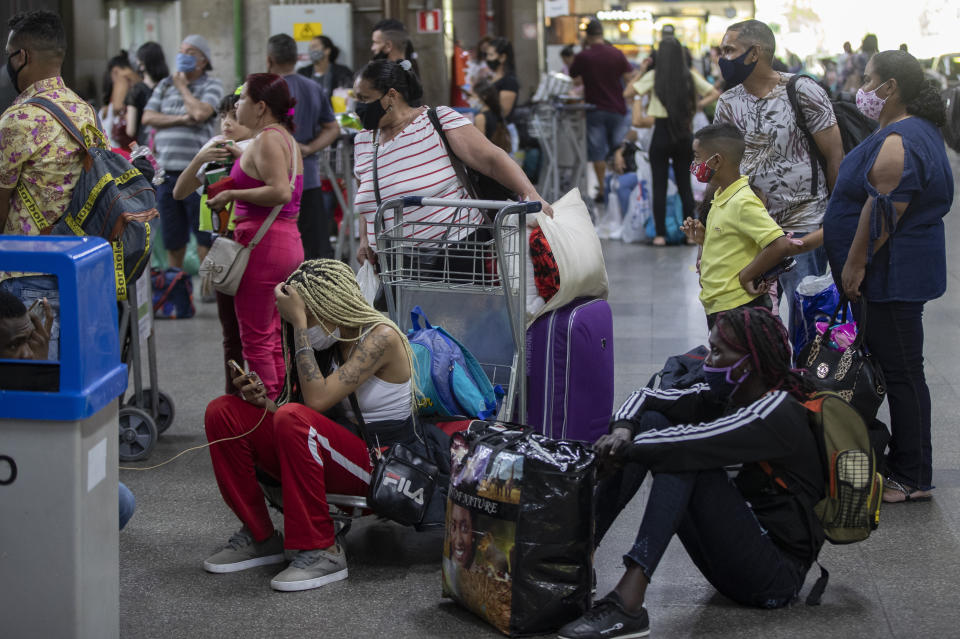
point(148, 411)
point(470, 278)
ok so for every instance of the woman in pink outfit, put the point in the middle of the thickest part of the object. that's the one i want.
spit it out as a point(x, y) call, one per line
point(268, 174)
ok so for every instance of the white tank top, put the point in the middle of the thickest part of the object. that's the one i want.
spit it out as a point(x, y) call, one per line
point(381, 401)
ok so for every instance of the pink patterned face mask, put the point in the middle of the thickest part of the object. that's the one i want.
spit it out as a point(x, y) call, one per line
point(869, 103)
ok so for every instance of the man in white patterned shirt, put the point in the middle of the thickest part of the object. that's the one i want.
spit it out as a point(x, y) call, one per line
point(778, 154)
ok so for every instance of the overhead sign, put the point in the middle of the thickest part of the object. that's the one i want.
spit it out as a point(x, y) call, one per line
point(307, 31)
point(428, 21)
point(306, 21)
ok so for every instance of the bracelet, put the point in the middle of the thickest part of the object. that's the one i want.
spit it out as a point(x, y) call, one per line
point(297, 352)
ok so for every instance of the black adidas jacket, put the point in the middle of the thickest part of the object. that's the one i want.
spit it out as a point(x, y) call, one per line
point(708, 434)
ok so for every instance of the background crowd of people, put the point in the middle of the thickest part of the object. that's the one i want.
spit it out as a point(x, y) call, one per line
point(779, 184)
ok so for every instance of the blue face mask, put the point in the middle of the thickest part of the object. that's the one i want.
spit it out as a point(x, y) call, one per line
point(719, 379)
point(186, 62)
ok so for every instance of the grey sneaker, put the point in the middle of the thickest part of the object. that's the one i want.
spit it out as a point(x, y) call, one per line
point(312, 569)
point(242, 552)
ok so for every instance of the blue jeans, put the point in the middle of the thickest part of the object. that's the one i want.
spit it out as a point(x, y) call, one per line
point(628, 182)
point(179, 217)
point(713, 521)
point(895, 338)
point(809, 263)
point(127, 505)
point(605, 130)
point(33, 287)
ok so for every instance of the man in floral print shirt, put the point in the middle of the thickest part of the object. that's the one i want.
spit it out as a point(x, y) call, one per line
point(36, 153)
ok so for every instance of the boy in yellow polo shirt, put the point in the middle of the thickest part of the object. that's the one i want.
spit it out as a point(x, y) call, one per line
point(740, 240)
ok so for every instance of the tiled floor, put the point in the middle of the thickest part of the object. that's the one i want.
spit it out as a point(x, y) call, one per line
point(903, 582)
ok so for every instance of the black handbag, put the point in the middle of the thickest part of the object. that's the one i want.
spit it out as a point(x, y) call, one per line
point(852, 374)
point(403, 481)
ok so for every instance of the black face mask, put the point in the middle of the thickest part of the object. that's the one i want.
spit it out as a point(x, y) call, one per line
point(370, 114)
point(493, 64)
point(737, 70)
point(13, 73)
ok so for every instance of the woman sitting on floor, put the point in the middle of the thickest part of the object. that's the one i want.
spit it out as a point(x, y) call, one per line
point(751, 538)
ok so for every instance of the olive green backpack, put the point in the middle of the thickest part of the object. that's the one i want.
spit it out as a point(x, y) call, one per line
point(850, 508)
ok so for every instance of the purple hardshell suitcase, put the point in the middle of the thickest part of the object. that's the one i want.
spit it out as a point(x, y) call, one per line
point(570, 371)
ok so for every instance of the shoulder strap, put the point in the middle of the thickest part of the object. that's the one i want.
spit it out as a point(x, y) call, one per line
point(64, 120)
point(458, 166)
point(265, 226)
point(60, 116)
point(816, 592)
point(816, 160)
point(294, 153)
point(376, 177)
point(358, 415)
point(354, 402)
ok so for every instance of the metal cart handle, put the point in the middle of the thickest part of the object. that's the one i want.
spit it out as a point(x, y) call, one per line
point(512, 207)
point(504, 207)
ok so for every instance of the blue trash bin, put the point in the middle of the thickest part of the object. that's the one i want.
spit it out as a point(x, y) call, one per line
point(58, 449)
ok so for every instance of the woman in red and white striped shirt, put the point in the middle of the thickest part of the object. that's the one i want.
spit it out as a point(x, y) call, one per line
point(412, 160)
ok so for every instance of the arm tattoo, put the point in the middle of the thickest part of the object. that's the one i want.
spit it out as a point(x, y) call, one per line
point(306, 360)
point(368, 357)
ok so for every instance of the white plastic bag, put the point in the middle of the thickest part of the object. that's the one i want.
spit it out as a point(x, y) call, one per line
point(369, 282)
point(813, 284)
point(608, 227)
point(641, 205)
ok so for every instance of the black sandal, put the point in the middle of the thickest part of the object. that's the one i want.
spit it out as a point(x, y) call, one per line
point(908, 492)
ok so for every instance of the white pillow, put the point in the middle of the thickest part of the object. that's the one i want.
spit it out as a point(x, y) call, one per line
point(576, 247)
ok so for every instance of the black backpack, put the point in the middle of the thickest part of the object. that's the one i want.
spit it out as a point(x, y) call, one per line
point(112, 199)
point(951, 130)
point(855, 127)
point(477, 185)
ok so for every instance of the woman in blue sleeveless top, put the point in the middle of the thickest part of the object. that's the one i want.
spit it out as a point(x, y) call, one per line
point(884, 236)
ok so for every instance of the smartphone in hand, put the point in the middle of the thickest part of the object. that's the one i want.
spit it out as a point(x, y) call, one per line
point(788, 264)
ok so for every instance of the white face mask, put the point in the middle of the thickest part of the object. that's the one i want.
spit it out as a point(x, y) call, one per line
point(320, 340)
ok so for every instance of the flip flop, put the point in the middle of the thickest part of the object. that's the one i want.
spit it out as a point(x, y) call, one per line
point(898, 490)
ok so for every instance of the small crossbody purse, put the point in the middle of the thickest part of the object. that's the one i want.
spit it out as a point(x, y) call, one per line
point(403, 481)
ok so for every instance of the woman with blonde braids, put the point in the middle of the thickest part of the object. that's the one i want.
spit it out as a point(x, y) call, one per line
point(334, 345)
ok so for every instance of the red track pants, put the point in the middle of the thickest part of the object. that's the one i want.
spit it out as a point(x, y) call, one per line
point(307, 452)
